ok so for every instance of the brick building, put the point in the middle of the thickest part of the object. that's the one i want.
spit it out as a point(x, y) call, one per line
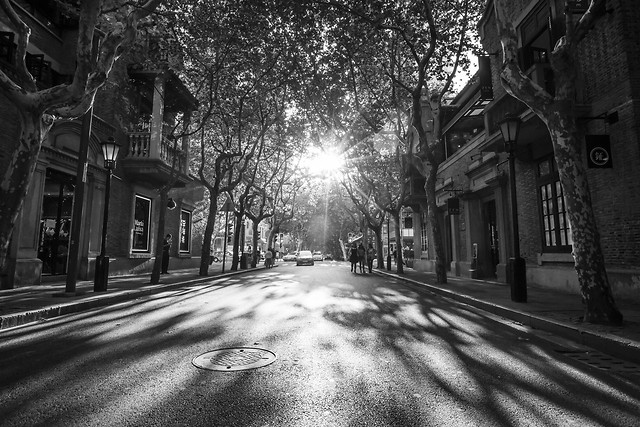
point(139, 106)
point(478, 235)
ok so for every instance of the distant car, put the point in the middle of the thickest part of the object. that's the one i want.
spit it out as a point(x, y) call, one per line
point(304, 258)
point(317, 256)
point(328, 257)
point(217, 256)
point(289, 257)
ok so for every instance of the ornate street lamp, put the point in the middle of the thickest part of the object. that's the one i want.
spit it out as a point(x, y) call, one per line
point(110, 149)
point(516, 268)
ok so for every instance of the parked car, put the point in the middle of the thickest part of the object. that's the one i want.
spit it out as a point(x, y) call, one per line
point(328, 257)
point(317, 256)
point(289, 257)
point(305, 258)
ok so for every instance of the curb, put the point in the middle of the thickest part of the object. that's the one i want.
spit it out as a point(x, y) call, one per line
point(610, 344)
point(27, 317)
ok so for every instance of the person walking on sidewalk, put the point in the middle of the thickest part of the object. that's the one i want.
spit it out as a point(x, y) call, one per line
point(353, 258)
point(371, 254)
point(166, 247)
point(268, 258)
point(361, 255)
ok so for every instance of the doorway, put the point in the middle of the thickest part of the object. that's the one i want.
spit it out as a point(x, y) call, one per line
point(492, 241)
point(55, 222)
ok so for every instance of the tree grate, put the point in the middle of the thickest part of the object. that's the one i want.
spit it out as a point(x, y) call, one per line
point(602, 361)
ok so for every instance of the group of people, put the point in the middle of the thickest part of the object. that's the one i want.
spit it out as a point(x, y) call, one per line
point(357, 256)
point(269, 257)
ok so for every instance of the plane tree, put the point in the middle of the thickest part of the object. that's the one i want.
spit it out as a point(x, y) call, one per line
point(241, 52)
point(423, 45)
point(38, 109)
point(557, 112)
point(360, 192)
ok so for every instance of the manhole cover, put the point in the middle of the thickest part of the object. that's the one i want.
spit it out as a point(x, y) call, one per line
point(234, 359)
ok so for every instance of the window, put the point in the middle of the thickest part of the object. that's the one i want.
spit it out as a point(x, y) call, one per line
point(536, 45)
point(556, 232)
point(141, 224)
point(424, 237)
point(185, 231)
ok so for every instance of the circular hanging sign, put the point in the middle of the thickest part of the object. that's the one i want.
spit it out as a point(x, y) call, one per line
point(599, 156)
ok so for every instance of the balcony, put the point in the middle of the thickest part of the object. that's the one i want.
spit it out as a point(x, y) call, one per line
point(155, 161)
point(37, 65)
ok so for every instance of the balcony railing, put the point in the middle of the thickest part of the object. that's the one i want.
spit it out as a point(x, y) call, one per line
point(168, 153)
point(140, 148)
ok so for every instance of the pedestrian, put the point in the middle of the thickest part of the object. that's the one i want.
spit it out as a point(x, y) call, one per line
point(166, 247)
point(361, 255)
point(268, 255)
point(353, 258)
point(371, 254)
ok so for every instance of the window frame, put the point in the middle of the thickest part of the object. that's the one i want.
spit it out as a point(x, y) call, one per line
point(554, 222)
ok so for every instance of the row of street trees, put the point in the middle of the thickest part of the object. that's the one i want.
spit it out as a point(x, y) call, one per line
point(273, 78)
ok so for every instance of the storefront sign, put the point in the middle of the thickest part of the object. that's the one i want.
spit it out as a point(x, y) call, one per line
point(141, 221)
point(484, 74)
point(185, 230)
point(453, 206)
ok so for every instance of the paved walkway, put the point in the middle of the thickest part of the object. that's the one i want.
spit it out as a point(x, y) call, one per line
point(547, 310)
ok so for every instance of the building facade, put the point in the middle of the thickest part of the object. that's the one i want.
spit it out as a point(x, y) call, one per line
point(142, 107)
point(473, 189)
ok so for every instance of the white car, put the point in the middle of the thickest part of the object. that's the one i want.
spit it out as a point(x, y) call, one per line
point(304, 258)
point(317, 256)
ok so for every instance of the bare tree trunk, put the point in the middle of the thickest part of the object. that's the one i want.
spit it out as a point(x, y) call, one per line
point(208, 233)
point(254, 244)
point(379, 256)
point(15, 185)
point(588, 257)
point(398, 233)
point(162, 214)
point(432, 215)
point(557, 112)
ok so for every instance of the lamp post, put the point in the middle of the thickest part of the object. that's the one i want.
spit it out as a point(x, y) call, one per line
point(388, 244)
point(110, 149)
point(227, 207)
point(516, 268)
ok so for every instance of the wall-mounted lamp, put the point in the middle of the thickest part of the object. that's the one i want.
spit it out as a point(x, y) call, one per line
point(609, 118)
point(171, 204)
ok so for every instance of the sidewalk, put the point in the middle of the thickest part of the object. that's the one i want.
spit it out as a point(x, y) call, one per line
point(29, 304)
point(546, 310)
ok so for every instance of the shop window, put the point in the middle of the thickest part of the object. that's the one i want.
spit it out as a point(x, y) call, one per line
point(424, 237)
point(55, 222)
point(185, 231)
point(141, 224)
point(556, 232)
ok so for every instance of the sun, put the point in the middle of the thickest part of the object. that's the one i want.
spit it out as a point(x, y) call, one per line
point(324, 163)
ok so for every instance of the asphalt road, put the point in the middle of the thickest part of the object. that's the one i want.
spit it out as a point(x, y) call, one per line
point(352, 350)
